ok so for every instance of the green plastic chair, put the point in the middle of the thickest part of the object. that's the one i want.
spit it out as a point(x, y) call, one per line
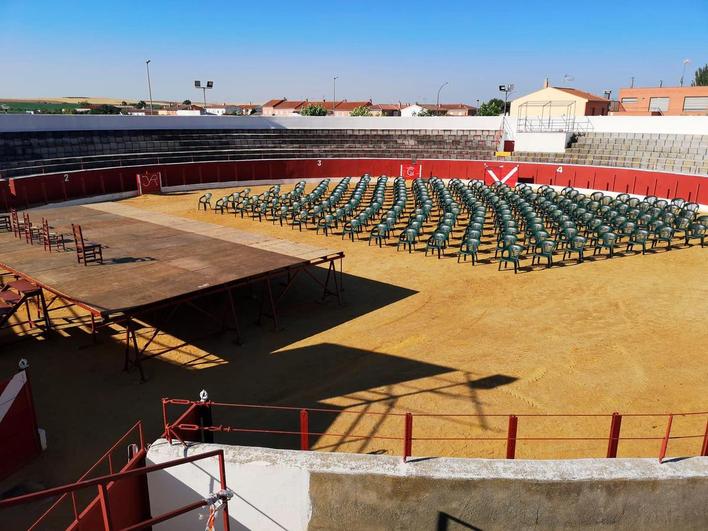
point(408, 239)
point(469, 247)
point(638, 237)
point(437, 242)
point(204, 201)
point(511, 254)
point(545, 250)
point(607, 240)
point(379, 234)
point(696, 231)
point(663, 234)
point(351, 228)
point(576, 245)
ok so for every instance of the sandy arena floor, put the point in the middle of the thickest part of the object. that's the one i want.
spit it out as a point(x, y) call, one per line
point(414, 334)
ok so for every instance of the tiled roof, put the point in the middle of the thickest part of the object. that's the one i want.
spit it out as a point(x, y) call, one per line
point(582, 94)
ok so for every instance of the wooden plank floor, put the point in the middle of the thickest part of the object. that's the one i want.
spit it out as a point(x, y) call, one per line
point(148, 257)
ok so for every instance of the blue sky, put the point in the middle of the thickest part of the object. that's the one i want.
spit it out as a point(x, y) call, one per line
point(385, 50)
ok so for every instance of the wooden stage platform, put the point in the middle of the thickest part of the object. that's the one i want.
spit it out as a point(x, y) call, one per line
point(153, 261)
point(149, 257)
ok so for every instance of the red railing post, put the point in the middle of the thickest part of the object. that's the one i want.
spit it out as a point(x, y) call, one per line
point(511, 437)
point(408, 437)
point(665, 442)
point(222, 481)
point(704, 449)
point(613, 441)
point(167, 435)
point(105, 507)
point(304, 430)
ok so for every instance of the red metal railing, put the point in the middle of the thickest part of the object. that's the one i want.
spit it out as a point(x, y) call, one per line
point(134, 434)
point(103, 482)
point(187, 423)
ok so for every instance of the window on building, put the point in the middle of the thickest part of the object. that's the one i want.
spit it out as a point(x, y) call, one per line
point(631, 101)
point(659, 104)
point(695, 103)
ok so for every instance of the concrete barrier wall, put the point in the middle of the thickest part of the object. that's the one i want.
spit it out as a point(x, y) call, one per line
point(687, 125)
point(281, 489)
point(22, 192)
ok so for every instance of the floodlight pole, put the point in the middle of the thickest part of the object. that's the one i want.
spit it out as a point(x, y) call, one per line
point(147, 66)
point(437, 99)
point(334, 92)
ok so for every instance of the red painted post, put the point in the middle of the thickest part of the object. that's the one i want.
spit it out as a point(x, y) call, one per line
point(105, 507)
point(613, 442)
point(665, 442)
point(704, 450)
point(408, 437)
point(222, 481)
point(511, 437)
point(304, 430)
point(167, 435)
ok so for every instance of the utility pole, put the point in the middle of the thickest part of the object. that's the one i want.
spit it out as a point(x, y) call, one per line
point(334, 92)
point(147, 66)
point(437, 99)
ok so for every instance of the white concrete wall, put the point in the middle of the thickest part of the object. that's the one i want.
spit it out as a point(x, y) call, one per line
point(541, 142)
point(281, 489)
point(48, 122)
point(677, 125)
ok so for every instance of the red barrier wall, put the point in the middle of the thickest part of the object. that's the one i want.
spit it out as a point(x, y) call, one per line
point(19, 440)
point(22, 192)
point(128, 501)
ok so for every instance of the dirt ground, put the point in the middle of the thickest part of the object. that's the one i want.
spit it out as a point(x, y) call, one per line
point(414, 334)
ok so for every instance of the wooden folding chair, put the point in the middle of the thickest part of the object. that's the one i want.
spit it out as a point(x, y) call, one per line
point(31, 233)
point(51, 239)
point(86, 252)
point(18, 228)
point(5, 223)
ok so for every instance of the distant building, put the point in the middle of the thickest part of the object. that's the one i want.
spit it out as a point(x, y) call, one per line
point(663, 101)
point(345, 108)
point(387, 109)
point(556, 102)
point(443, 109)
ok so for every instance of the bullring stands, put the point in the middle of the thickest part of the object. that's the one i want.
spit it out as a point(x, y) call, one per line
point(660, 152)
point(31, 153)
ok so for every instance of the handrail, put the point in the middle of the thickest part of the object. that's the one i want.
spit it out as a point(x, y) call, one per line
point(176, 429)
point(102, 481)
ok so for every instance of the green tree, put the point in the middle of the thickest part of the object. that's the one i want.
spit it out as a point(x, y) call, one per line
point(361, 110)
point(187, 102)
point(313, 110)
point(140, 105)
point(493, 107)
point(701, 77)
point(424, 112)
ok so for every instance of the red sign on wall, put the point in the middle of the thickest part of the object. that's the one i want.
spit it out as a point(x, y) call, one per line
point(149, 182)
point(411, 171)
point(501, 173)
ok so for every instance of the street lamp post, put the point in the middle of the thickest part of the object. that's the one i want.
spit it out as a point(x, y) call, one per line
point(334, 92)
point(506, 89)
point(437, 99)
point(683, 72)
point(209, 85)
point(147, 67)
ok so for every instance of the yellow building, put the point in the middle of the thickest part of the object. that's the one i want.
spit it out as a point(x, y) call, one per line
point(559, 102)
